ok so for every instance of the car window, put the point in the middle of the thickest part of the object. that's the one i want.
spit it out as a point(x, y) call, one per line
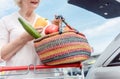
point(115, 61)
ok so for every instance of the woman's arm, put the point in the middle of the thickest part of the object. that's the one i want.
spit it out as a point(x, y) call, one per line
point(10, 49)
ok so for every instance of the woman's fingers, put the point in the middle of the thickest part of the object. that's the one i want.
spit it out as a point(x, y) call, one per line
point(39, 29)
point(56, 21)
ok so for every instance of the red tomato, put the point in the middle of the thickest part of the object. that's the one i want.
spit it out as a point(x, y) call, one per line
point(51, 29)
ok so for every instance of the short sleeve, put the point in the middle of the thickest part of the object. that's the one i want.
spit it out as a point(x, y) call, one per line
point(4, 35)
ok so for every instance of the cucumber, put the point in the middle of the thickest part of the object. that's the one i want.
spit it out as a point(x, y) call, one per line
point(31, 30)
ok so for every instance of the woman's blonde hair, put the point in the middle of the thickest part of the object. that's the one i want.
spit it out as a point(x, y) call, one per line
point(18, 3)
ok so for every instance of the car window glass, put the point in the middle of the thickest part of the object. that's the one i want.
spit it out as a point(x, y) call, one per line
point(115, 61)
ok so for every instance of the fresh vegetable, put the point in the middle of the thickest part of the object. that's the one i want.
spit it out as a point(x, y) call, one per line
point(51, 29)
point(31, 30)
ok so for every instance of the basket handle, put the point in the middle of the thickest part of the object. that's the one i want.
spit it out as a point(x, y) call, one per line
point(67, 25)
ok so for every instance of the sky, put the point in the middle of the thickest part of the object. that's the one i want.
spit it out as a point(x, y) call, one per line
point(98, 30)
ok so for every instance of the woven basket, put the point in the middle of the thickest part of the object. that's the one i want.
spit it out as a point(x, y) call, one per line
point(68, 47)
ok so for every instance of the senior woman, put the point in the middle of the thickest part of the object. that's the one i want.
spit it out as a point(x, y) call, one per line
point(16, 45)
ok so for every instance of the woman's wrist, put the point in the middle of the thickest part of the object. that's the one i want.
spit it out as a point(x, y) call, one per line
point(25, 37)
point(22, 40)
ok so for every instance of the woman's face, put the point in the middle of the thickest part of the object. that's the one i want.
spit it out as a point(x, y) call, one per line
point(29, 4)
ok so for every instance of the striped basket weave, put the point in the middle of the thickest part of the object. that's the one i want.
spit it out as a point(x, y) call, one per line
point(68, 47)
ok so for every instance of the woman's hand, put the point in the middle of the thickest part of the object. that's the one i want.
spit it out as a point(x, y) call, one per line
point(39, 29)
point(26, 37)
point(56, 21)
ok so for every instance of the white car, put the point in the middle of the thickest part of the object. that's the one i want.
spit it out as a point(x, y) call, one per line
point(107, 65)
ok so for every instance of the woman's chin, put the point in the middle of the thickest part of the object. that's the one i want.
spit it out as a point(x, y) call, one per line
point(34, 5)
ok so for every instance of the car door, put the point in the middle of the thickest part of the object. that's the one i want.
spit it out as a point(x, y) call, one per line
point(110, 68)
point(107, 65)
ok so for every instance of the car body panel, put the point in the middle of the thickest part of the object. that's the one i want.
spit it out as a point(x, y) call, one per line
point(101, 68)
